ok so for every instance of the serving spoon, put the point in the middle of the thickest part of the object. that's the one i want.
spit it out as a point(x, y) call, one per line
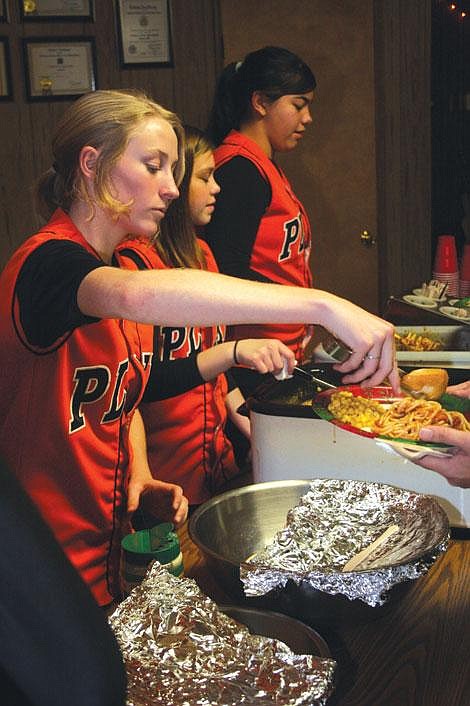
point(362, 555)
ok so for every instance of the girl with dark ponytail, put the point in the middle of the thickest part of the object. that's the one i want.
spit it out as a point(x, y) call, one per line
point(260, 230)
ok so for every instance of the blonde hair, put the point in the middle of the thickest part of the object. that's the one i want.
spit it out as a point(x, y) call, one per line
point(105, 120)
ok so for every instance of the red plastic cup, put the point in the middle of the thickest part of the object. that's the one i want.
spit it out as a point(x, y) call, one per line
point(465, 263)
point(449, 278)
point(464, 288)
point(446, 255)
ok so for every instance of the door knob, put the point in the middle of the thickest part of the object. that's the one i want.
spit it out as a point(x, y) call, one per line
point(367, 239)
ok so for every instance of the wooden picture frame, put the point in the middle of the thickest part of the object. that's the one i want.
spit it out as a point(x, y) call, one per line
point(56, 10)
point(6, 92)
point(59, 68)
point(144, 33)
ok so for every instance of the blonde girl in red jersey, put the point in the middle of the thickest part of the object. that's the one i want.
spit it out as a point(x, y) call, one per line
point(76, 346)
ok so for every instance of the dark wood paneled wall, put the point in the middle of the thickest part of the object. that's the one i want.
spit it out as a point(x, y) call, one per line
point(25, 129)
point(403, 143)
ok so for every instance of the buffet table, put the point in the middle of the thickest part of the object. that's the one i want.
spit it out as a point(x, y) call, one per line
point(417, 654)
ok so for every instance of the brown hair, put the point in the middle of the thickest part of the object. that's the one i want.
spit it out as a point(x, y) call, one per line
point(176, 242)
point(104, 120)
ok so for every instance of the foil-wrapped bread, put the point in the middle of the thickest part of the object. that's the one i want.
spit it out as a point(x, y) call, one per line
point(180, 649)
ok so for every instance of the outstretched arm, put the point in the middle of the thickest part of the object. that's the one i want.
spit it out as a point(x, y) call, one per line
point(266, 355)
point(182, 297)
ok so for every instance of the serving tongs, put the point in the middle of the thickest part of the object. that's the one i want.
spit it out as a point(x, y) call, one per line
point(313, 378)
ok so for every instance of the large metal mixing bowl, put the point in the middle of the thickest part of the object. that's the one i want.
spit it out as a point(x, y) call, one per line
point(301, 638)
point(231, 527)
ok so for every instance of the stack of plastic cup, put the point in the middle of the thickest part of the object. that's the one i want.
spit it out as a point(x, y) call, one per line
point(446, 268)
point(464, 284)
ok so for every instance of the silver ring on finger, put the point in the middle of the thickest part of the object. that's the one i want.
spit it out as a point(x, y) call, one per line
point(372, 357)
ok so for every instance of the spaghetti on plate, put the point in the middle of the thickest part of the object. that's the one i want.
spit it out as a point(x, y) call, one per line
point(404, 418)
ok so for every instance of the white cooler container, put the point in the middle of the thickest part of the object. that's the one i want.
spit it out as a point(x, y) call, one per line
point(296, 448)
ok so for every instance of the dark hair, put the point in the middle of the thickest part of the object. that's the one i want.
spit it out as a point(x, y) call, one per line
point(176, 242)
point(274, 71)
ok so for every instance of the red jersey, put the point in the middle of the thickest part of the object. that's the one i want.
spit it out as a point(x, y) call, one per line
point(186, 442)
point(64, 417)
point(283, 242)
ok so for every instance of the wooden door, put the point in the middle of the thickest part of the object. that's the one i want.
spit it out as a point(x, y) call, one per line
point(364, 163)
point(333, 169)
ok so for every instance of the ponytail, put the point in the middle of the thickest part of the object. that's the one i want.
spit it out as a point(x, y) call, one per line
point(229, 104)
point(273, 71)
point(53, 191)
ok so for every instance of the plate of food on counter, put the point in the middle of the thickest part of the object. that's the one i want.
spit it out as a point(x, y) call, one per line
point(395, 421)
point(421, 301)
point(461, 313)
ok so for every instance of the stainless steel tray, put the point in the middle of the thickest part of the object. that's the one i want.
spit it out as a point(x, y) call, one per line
point(449, 357)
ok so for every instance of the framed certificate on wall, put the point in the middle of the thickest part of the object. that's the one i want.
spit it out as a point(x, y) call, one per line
point(59, 68)
point(56, 9)
point(144, 32)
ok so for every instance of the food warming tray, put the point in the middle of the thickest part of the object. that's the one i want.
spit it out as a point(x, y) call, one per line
point(455, 353)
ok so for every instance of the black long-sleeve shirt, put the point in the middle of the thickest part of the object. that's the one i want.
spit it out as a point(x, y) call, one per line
point(47, 293)
point(232, 231)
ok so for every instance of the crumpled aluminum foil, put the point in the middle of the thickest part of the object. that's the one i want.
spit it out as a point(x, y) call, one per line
point(180, 649)
point(335, 520)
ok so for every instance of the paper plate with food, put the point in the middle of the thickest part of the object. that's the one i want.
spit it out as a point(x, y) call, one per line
point(461, 313)
point(396, 421)
point(424, 302)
